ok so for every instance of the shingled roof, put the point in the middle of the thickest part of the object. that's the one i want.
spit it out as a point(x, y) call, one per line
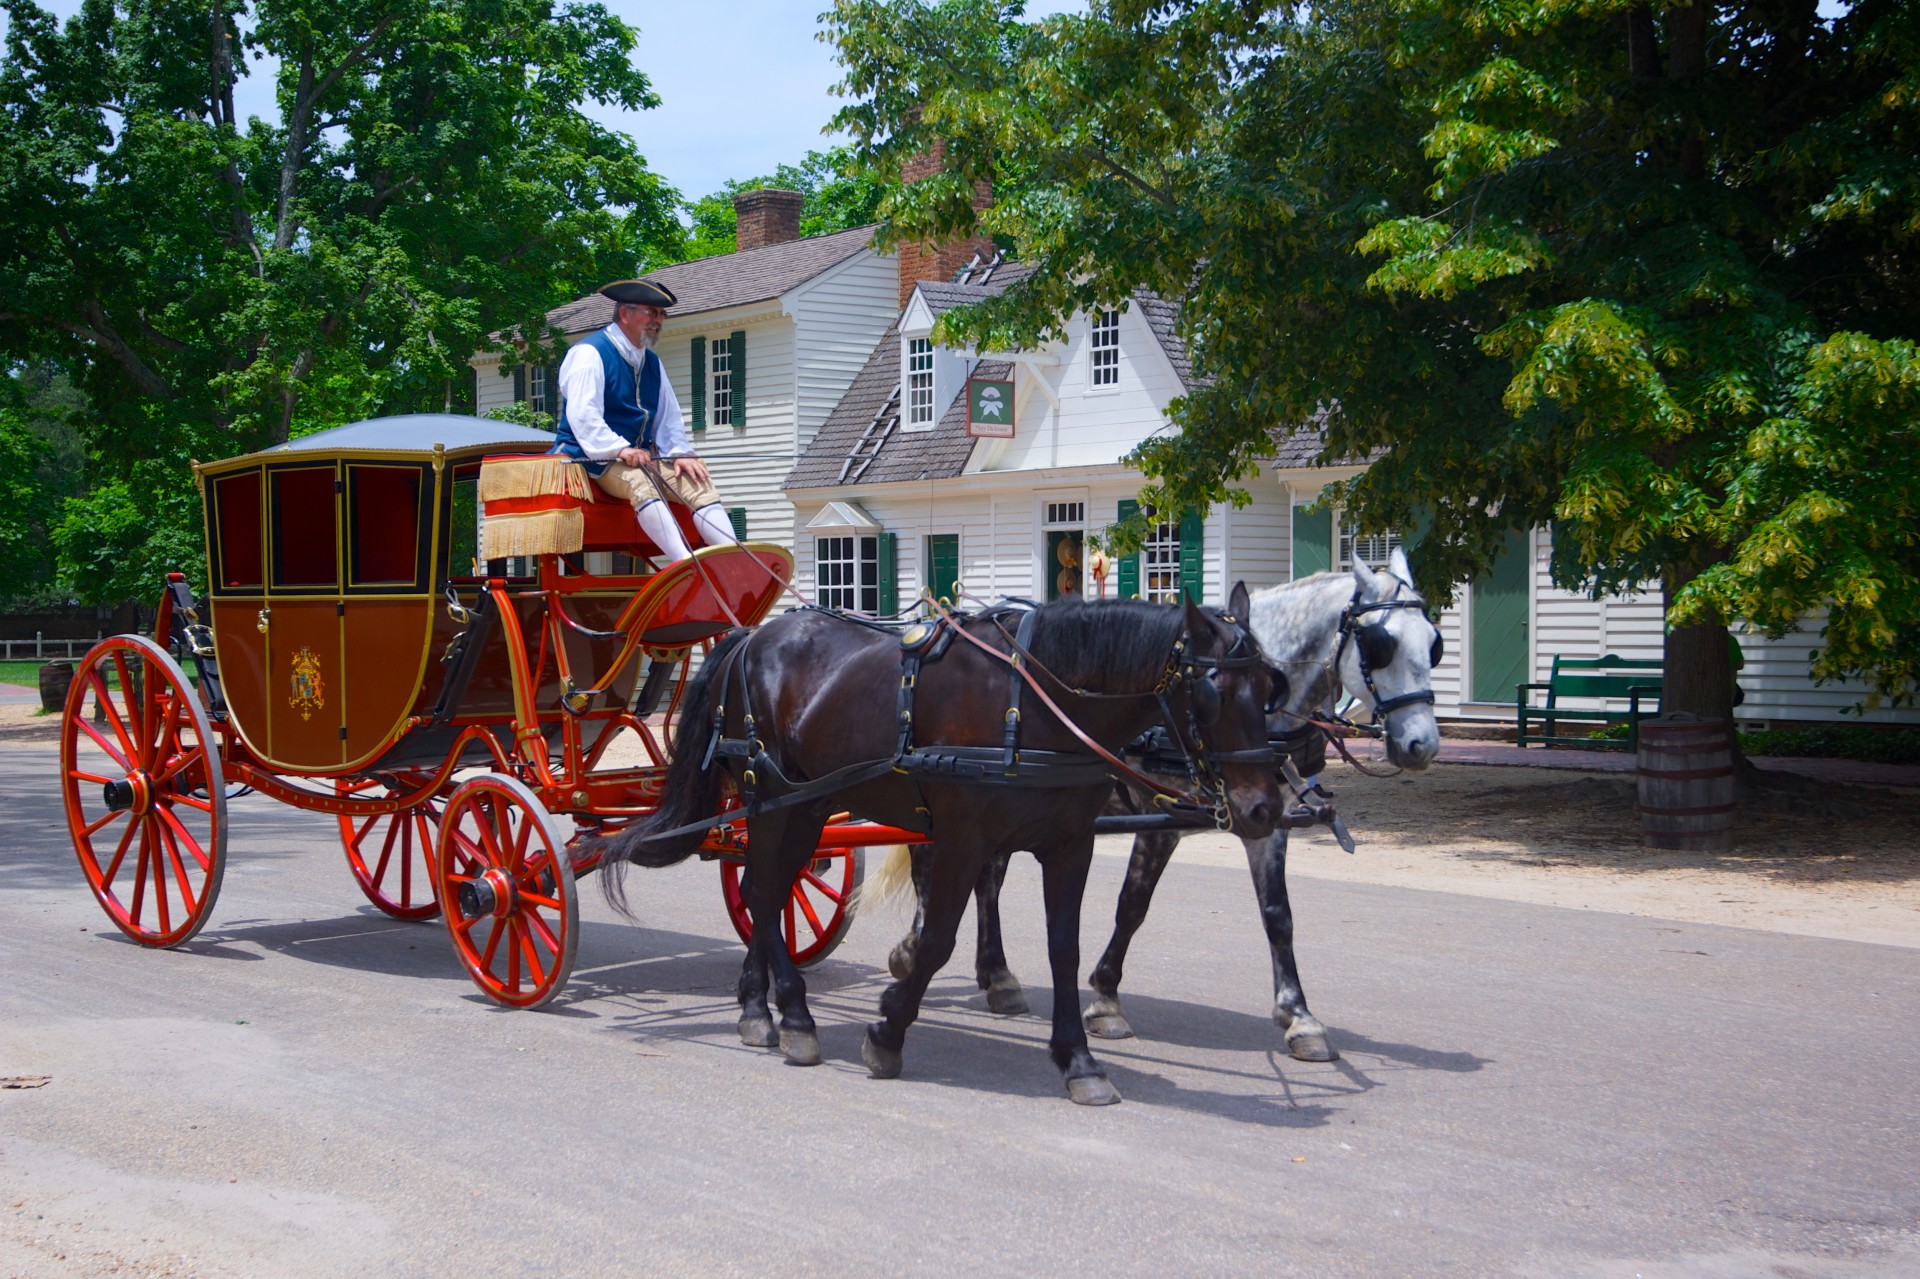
point(1298, 447)
point(727, 279)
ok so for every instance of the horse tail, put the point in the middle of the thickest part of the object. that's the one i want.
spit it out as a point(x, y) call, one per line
point(690, 791)
point(893, 878)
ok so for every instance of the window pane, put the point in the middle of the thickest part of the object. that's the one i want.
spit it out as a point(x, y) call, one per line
point(385, 506)
point(236, 504)
point(305, 528)
point(463, 528)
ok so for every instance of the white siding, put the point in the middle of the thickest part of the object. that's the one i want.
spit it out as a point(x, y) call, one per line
point(1259, 538)
point(1092, 427)
point(748, 462)
point(492, 384)
point(838, 318)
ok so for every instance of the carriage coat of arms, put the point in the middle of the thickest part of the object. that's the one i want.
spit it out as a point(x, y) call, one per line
point(309, 690)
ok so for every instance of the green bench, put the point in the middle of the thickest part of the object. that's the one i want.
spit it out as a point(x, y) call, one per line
point(1609, 676)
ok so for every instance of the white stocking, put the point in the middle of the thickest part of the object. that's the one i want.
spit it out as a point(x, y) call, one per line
point(657, 522)
point(715, 528)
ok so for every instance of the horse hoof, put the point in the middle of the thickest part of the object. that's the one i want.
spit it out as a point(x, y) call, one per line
point(1092, 1090)
point(757, 1032)
point(1006, 998)
point(801, 1047)
point(1104, 1020)
point(1311, 1048)
point(900, 961)
point(884, 1062)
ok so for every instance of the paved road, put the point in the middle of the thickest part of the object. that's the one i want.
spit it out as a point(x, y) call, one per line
point(312, 1089)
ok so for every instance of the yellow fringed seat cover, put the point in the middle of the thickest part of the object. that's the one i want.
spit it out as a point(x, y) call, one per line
point(532, 506)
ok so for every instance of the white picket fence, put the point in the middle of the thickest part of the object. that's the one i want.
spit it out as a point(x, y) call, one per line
point(42, 649)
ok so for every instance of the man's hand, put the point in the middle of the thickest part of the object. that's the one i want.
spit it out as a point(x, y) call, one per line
point(690, 468)
point(635, 457)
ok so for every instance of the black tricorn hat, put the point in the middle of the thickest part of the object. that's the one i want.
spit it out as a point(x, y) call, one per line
point(639, 293)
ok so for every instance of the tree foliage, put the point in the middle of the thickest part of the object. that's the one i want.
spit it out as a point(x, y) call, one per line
point(838, 198)
point(1642, 269)
point(213, 284)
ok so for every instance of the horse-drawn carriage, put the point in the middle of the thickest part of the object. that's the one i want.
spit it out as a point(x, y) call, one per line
point(361, 653)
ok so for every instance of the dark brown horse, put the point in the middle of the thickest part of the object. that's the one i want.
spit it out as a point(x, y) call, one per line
point(815, 695)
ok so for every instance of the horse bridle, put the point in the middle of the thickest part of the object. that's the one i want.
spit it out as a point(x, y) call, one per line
point(1375, 647)
point(1196, 677)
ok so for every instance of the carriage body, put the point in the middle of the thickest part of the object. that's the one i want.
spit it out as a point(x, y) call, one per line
point(355, 656)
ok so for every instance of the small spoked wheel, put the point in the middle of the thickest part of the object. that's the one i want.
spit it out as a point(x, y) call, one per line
point(391, 856)
point(145, 796)
point(511, 908)
point(816, 918)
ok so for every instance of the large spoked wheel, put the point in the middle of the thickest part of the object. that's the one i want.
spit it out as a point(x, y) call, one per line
point(145, 795)
point(391, 857)
point(816, 918)
point(512, 910)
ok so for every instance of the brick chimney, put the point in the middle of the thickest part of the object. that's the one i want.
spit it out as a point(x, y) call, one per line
point(766, 216)
point(939, 262)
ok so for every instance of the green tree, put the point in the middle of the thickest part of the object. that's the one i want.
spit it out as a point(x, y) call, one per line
point(1644, 270)
point(213, 284)
point(42, 463)
point(838, 198)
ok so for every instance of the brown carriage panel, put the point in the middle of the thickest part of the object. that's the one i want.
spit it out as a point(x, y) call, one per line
point(589, 658)
point(306, 682)
point(386, 641)
point(241, 651)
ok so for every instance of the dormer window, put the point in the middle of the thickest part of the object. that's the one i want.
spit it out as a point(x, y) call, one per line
point(1106, 348)
point(919, 382)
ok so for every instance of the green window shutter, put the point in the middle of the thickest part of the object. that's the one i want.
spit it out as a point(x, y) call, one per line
point(697, 385)
point(1192, 555)
point(737, 516)
point(737, 346)
point(519, 384)
point(943, 564)
point(889, 575)
point(1128, 578)
point(553, 391)
point(1312, 541)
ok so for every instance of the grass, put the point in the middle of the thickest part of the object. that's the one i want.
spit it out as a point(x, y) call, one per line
point(1828, 741)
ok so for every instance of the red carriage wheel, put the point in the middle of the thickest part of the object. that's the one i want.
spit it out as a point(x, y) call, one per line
point(391, 856)
point(816, 918)
point(145, 796)
point(512, 911)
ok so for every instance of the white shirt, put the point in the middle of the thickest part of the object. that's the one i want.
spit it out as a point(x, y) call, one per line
point(583, 392)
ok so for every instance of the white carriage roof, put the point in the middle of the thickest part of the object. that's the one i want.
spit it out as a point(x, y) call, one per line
point(418, 433)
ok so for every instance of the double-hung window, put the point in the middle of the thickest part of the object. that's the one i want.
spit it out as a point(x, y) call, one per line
point(1371, 549)
point(538, 397)
point(720, 379)
point(1160, 563)
point(919, 382)
point(1106, 349)
point(847, 573)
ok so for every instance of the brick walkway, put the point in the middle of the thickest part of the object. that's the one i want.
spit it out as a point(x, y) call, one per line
point(1456, 751)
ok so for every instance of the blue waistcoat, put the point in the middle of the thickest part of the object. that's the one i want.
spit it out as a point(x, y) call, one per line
point(631, 405)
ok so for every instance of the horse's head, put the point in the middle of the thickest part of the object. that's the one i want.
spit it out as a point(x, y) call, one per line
point(1223, 692)
point(1387, 651)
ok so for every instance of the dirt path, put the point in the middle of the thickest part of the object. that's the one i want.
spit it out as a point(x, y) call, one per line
point(1842, 863)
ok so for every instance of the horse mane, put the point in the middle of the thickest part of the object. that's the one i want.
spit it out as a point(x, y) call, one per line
point(1094, 643)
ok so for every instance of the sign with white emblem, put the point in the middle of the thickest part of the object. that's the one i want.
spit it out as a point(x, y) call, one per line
point(990, 408)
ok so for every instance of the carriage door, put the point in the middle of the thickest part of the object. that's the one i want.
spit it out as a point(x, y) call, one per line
point(303, 617)
point(237, 591)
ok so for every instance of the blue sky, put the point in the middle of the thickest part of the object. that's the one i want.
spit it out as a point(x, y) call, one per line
point(743, 85)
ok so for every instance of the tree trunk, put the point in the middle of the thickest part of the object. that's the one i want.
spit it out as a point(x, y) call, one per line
point(1699, 672)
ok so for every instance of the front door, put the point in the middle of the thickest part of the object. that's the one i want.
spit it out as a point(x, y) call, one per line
point(1499, 624)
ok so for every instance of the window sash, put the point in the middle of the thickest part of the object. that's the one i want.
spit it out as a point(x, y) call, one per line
point(846, 573)
point(1106, 348)
point(919, 382)
point(1160, 563)
point(1372, 549)
point(537, 388)
point(720, 380)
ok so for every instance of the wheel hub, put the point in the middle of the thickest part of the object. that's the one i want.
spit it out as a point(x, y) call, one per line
point(134, 792)
point(490, 893)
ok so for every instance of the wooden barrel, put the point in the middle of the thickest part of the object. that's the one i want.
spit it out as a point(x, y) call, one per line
point(55, 679)
point(1686, 783)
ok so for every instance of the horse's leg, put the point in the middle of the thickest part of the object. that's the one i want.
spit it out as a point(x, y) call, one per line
point(1063, 875)
point(1152, 850)
point(756, 1023)
point(990, 953)
point(1306, 1038)
point(950, 878)
point(793, 841)
point(900, 960)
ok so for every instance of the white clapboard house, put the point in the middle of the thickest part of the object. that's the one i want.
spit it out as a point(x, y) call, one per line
point(894, 493)
point(761, 345)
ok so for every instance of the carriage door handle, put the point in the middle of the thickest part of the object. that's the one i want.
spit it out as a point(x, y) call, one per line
point(266, 616)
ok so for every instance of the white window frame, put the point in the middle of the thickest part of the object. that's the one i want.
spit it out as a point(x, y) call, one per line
point(720, 381)
point(1063, 513)
point(1103, 350)
point(537, 398)
point(919, 390)
point(1350, 539)
point(1160, 563)
point(846, 574)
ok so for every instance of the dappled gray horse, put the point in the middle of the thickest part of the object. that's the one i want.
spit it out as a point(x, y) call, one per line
point(1363, 632)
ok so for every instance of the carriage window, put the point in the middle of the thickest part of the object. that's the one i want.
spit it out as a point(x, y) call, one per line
point(846, 573)
point(384, 506)
point(236, 522)
point(305, 528)
point(463, 529)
